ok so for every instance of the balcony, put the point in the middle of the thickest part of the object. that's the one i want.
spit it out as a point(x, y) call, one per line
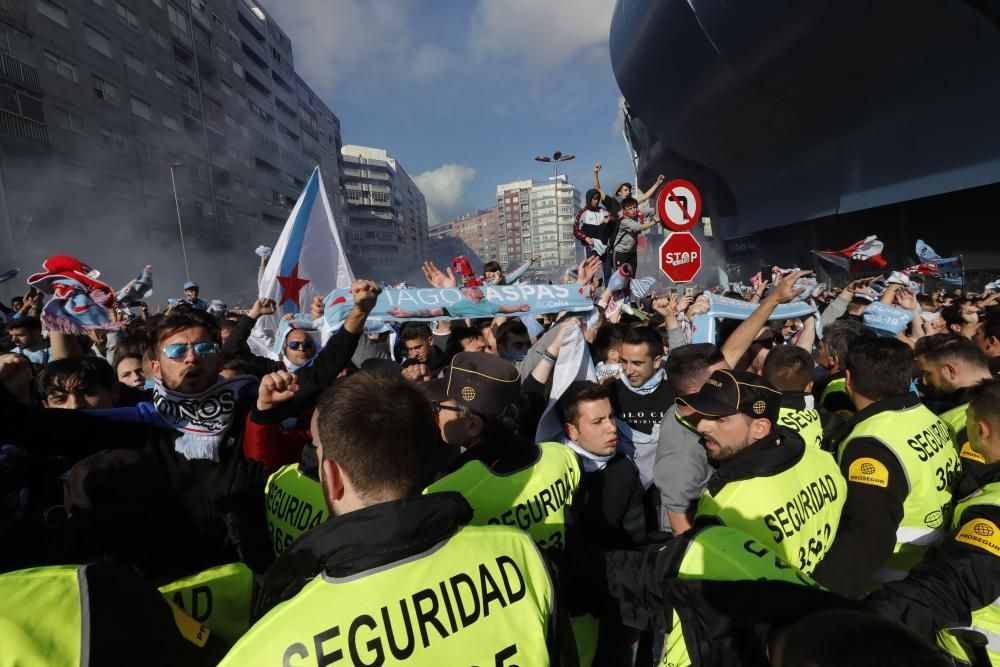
point(182, 39)
point(25, 128)
point(12, 12)
point(19, 72)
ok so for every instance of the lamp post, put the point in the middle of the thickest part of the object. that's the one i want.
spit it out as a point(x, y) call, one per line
point(555, 159)
point(174, 165)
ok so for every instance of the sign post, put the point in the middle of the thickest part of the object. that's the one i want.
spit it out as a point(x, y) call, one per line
point(680, 257)
point(679, 205)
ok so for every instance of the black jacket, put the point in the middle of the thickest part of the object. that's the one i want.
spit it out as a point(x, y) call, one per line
point(377, 536)
point(607, 508)
point(953, 579)
point(725, 623)
point(144, 505)
point(236, 347)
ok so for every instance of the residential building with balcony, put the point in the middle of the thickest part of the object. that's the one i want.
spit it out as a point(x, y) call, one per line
point(102, 95)
point(386, 235)
point(536, 217)
point(554, 204)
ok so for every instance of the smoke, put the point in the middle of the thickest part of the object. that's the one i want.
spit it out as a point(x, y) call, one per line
point(116, 213)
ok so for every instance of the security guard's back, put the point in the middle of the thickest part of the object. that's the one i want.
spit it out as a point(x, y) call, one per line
point(393, 575)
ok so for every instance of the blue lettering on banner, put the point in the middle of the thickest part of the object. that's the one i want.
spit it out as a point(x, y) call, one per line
point(486, 300)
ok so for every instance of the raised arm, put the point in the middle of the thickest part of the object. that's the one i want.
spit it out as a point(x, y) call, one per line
point(643, 196)
point(739, 341)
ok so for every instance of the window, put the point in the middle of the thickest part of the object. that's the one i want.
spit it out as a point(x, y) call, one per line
point(146, 150)
point(170, 122)
point(105, 90)
point(141, 109)
point(165, 80)
point(178, 17)
point(159, 39)
point(68, 120)
point(20, 103)
point(61, 66)
point(113, 139)
point(135, 63)
point(223, 55)
point(127, 16)
point(226, 87)
point(53, 12)
point(98, 41)
point(100, 3)
point(238, 69)
point(158, 3)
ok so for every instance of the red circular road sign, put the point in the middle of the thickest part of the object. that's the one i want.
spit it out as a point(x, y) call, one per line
point(679, 205)
point(680, 257)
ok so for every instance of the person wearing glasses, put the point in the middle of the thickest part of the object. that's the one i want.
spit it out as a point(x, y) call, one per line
point(165, 488)
point(506, 477)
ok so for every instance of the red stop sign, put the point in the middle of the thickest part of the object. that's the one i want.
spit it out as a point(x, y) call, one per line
point(680, 257)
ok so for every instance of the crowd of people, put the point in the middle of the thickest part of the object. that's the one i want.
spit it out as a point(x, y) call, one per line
point(801, 491)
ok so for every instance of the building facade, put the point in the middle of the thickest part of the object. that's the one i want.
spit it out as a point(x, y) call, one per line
point(386, 233)
point(554, 204)
point(536, 217)
point(514, 216)
point(479, 231)
point(104, 95)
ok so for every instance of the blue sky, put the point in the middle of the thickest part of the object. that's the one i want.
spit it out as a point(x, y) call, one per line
point(465, 94)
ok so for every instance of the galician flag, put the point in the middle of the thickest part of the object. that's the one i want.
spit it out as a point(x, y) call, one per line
point(307, 261)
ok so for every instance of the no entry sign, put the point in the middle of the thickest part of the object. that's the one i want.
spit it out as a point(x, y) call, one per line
point(680, 257)
point(679, 205)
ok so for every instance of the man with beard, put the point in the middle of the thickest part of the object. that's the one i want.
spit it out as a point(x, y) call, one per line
point(949, 365)
point(176, 495)
point(767, 482)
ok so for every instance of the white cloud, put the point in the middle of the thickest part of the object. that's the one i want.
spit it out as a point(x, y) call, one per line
point(618, 125)
point(541, 36)
point(364, 42)
point(444, 189)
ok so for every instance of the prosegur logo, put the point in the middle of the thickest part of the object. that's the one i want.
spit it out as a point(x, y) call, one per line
point(983, 529)
point(868, 468)
point(714, 383)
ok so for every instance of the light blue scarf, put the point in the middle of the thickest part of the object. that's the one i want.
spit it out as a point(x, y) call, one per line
point(649, 387)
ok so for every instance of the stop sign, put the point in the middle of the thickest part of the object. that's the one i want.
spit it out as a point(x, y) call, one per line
point(680, 257)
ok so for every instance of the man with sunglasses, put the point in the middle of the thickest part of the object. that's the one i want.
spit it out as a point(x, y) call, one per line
point(172, 494)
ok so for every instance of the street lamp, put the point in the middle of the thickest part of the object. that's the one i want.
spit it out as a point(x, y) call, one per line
point(174, 165)
point(555, 159)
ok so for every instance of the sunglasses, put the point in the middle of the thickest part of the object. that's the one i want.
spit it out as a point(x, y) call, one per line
point(301, 345)
point(179, 350)
point(438, 406)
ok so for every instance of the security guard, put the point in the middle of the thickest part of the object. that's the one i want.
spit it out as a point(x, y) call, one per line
point(950, 364)
point(900, 466)
point(643, 586)
point(768, 483)
point(507, 478)
point(956, 588)
point(395, 576)
point(220, 597)
point(294, 500)
point(72, 616)
point(789, 369)
point(831, 394)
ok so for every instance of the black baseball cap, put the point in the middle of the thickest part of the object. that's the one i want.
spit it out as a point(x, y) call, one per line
point(484, 383)
point(728, 392)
